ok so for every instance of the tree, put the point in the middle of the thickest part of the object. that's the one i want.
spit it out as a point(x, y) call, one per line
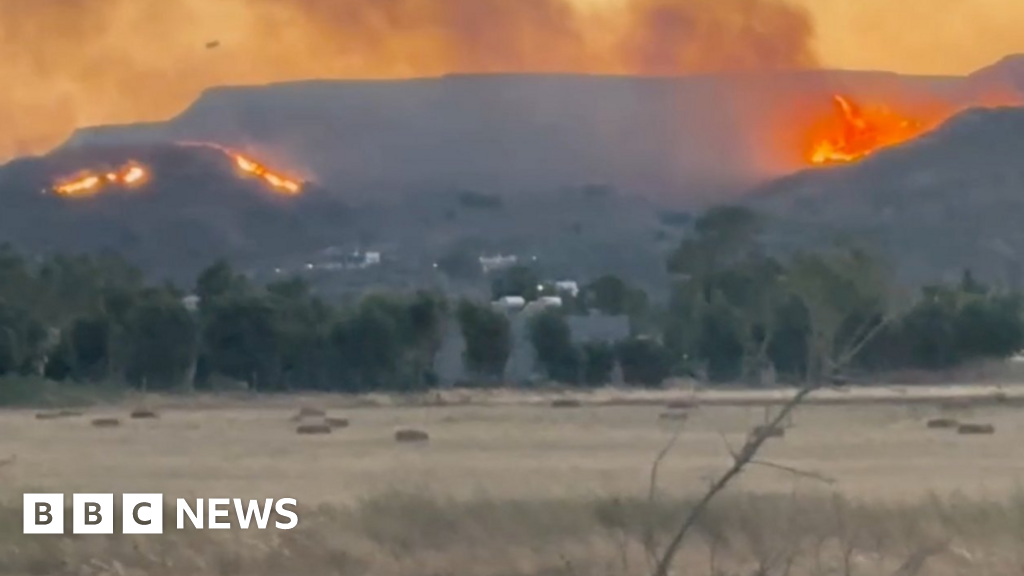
point(488, 338)
point(556, 354)
point(427, 315)
point(990, 327)
point(162, 343)
point(644, 361)
point(219, 281)
point(303, 323)
point(845, 293)
point(598, 363)
point(369, 346)
point(241, 341)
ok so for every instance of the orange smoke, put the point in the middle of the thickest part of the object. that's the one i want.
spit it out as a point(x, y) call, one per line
point(68, 63)
point(89, 183)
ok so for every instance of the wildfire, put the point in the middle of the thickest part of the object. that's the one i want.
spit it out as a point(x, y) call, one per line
point(277, 181)
point(90, 183)
point(855, 132)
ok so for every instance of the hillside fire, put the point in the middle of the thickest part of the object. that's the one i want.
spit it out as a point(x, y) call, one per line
point(855, 132)
point(278, 182)
point(89, 183)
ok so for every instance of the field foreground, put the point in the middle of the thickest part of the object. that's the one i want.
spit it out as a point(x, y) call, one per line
point(511, 485)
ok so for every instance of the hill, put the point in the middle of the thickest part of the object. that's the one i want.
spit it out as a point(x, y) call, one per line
point(951, 200)
point(193, 208)
point(686, 140)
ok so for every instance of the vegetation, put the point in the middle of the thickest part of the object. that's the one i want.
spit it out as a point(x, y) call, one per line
point(735, 313)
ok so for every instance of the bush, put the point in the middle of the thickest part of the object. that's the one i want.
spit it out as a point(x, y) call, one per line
point(598, 363)
point(644, 361)
point(552, 339)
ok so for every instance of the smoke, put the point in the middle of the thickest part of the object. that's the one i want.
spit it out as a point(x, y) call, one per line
point(70, 63)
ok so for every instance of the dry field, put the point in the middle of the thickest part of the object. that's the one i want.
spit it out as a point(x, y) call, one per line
point(508, 484)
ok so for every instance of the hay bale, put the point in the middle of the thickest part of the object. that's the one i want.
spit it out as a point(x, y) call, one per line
point(973, 429)
point(307, 412)
point(313, 429)
point(943, 423)
point(411, 435)
point(566, 403)
point(57, 415)
point(673, 416)
point(682, 404)
point(143, 414)
point(337, 422)
point(768, 431)
point(106, 423)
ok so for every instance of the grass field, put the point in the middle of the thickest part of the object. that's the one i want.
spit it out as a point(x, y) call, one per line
point(510, 485)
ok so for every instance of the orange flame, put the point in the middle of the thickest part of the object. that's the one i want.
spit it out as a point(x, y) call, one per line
point(855, 132)
point(278, 182)
point(89, 183)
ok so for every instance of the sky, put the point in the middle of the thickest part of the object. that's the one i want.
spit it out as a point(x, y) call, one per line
point(71, 63)
point(917, 36)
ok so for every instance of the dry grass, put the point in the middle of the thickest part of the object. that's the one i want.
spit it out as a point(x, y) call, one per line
point(507, 488)
point(400, 534)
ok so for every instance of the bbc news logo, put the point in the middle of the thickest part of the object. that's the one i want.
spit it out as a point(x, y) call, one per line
point(144, 513)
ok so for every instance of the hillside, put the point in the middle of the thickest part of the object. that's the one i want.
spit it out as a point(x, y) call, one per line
point(193, 209)
point(951, 200)
point(686, 140)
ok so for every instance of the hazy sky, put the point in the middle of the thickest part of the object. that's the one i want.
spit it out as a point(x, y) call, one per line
point(71, 63)
point(918, 36)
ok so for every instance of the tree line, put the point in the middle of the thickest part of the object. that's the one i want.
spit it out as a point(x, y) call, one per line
point(736, 313)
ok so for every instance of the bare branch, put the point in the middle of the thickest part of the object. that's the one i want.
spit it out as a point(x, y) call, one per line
point(656, 465)
point(745, 455)
point(796, 471)
point(650, 545)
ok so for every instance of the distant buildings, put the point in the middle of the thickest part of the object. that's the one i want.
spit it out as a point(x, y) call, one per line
point(500, 262)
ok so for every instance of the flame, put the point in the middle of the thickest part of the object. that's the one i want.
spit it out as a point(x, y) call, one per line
point(89, 183)
point(855, 132)
point(278, 182)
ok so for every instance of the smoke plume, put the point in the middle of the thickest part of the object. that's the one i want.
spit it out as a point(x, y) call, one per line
point(70, 63)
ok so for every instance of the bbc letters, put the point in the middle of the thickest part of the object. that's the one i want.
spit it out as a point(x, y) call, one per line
point(144, 514)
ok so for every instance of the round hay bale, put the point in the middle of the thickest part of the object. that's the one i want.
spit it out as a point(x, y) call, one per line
point(682, 404)
point(673, 416)
point(976, 429)
point(942, 423)
point(307, 412)
point(143, 414)
point(106, 423)
point(337, 422)
point(411, 435)
point(566, 403)
point(57, 415)
point(768, 431)
point(313, 429)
